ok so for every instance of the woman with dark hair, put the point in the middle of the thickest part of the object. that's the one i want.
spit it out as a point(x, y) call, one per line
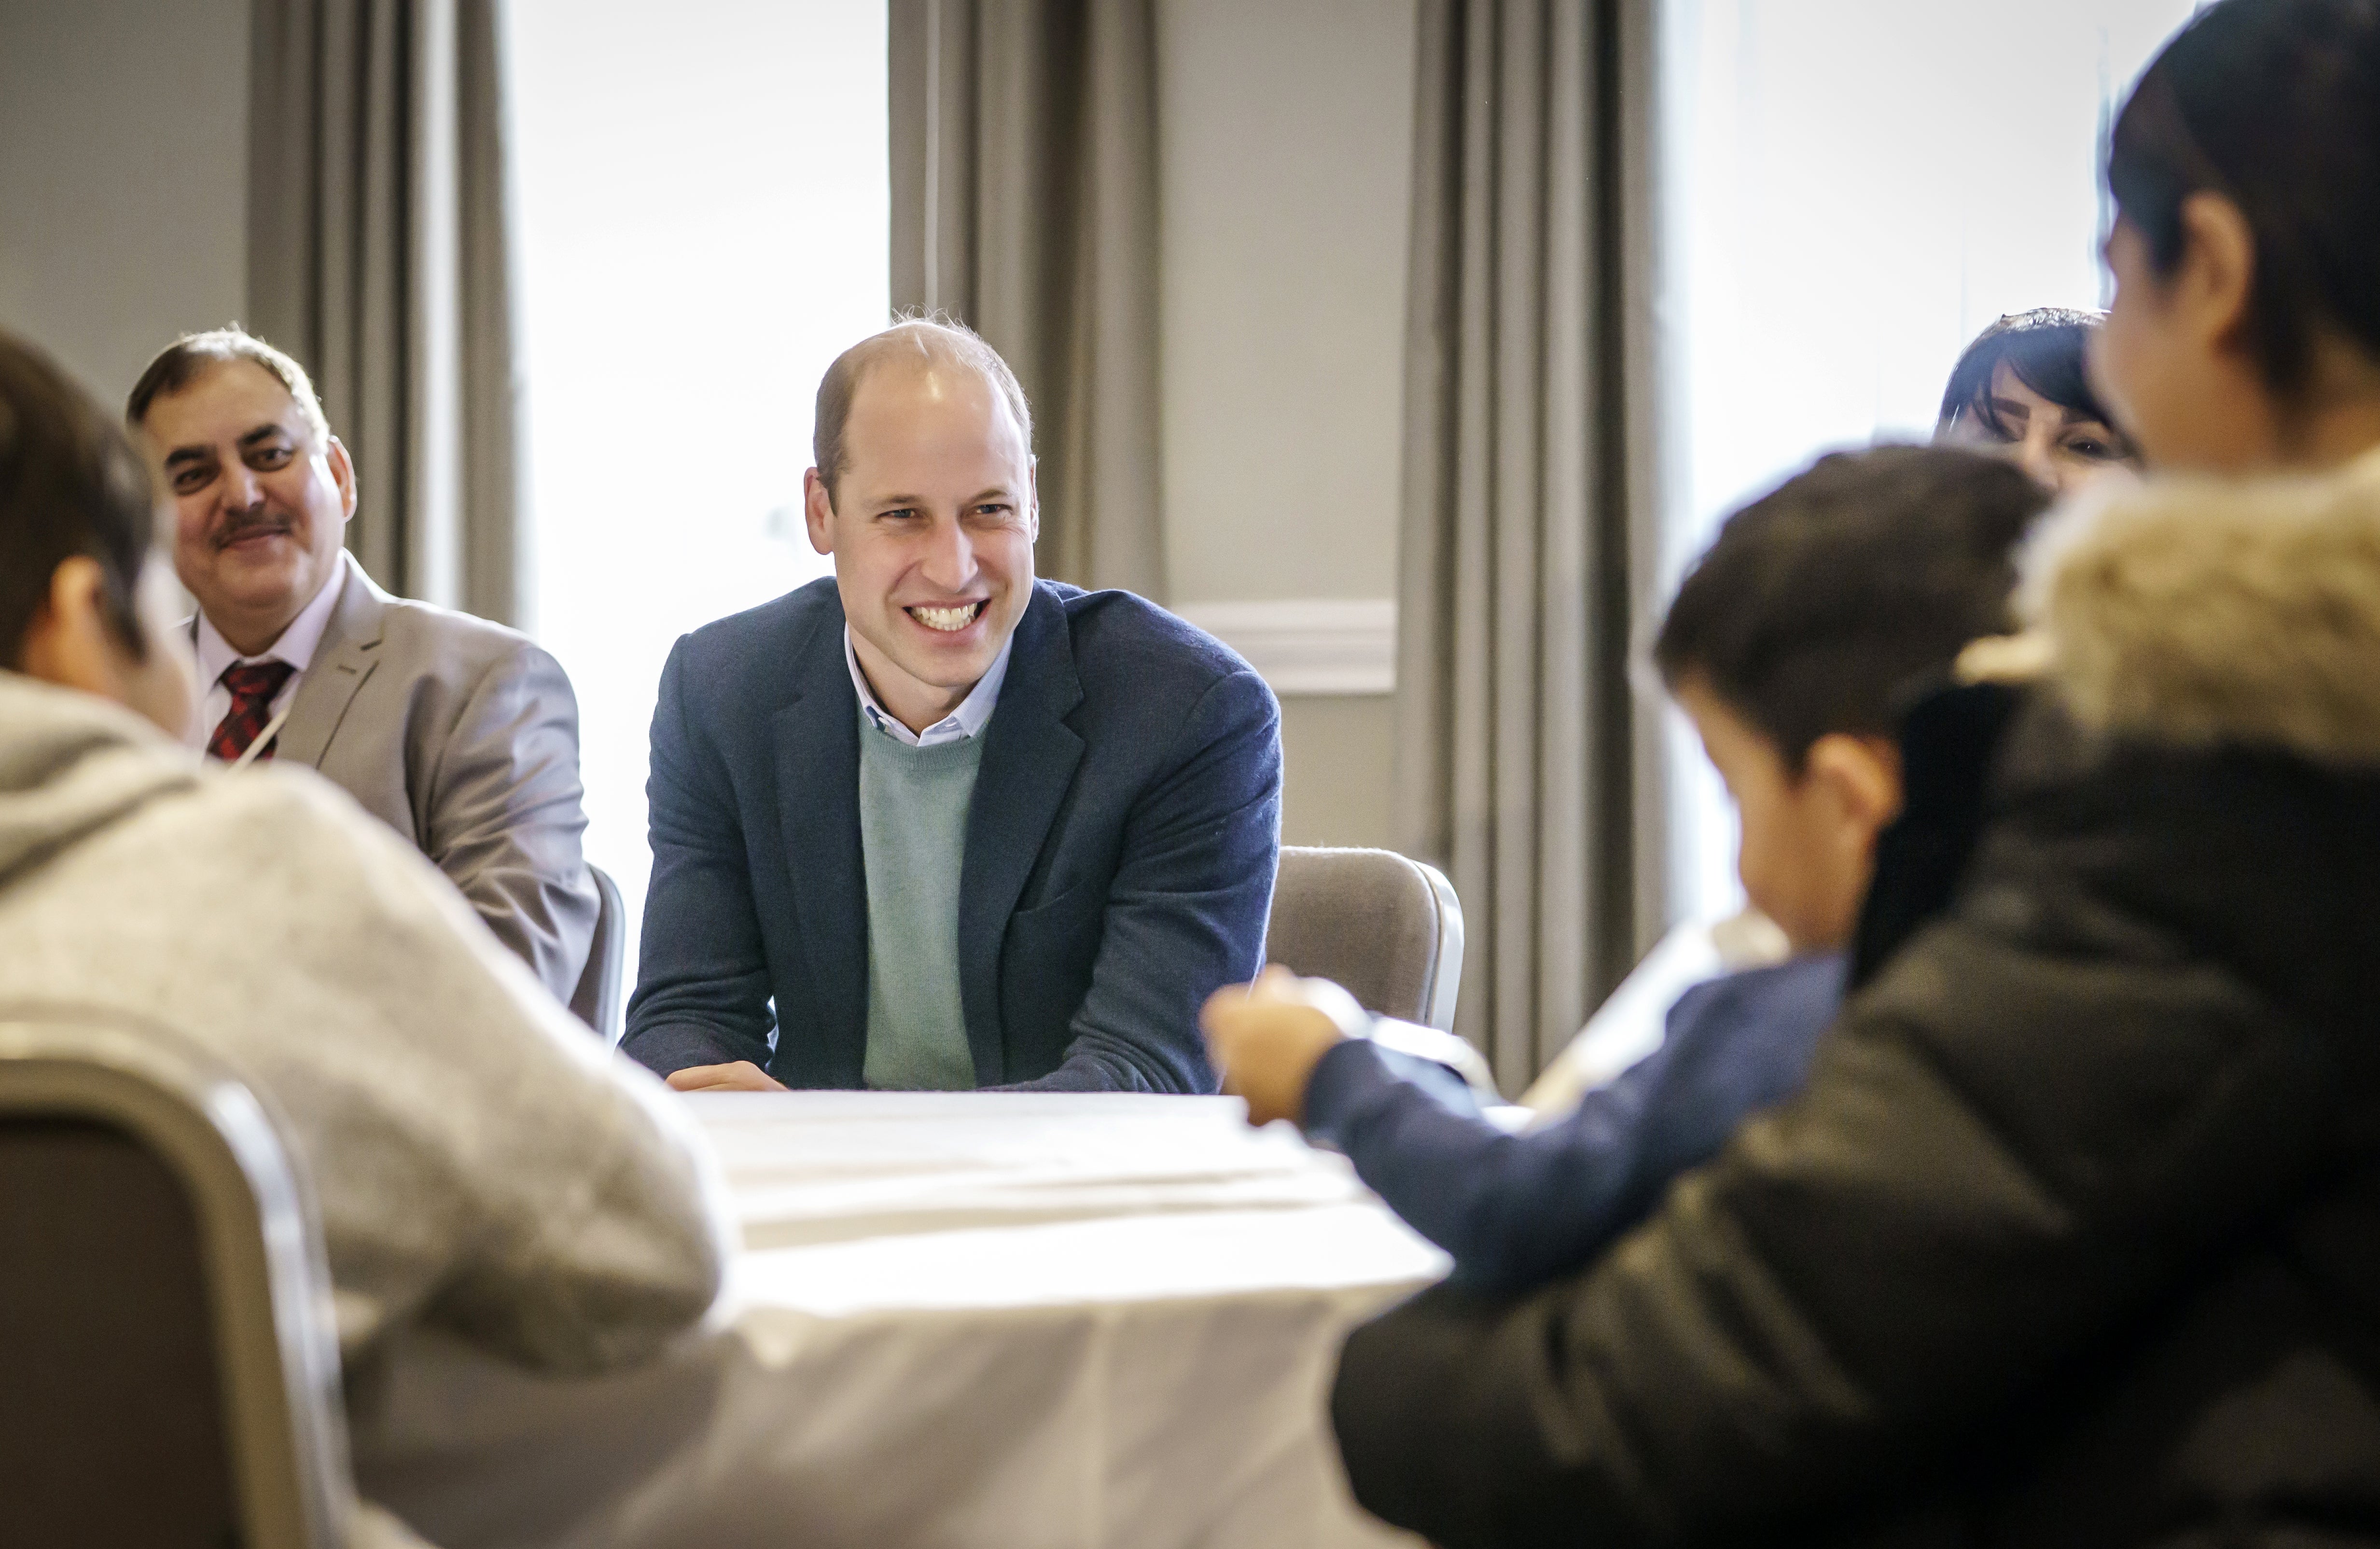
point(2022, 388)
point(2245, 333)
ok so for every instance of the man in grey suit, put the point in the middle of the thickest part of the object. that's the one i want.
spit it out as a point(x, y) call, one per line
point(460, 735)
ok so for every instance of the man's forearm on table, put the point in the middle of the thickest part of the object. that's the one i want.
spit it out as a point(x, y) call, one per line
point(1101, 1061)
point(675, 1045)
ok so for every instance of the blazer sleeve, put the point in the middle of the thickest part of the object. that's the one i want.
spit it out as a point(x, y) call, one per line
point(1968, 1195)
point(1185, 914)
point(702, 986)
point(504, 819)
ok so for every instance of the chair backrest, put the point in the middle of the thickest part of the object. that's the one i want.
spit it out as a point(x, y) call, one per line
point(1387, 927)
point(596, 1000)
point(169, 1368)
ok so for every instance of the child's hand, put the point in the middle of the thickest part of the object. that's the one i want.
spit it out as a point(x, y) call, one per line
point(1267, 1038)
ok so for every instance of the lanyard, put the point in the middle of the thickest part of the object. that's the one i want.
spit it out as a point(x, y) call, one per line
point(263, 739)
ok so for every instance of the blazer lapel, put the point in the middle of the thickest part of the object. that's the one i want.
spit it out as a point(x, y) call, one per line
point(817, 805)
point(344, 657)
point(1029, 754)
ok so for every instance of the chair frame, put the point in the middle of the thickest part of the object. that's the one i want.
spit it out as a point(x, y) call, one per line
point(267, 1279)
point(1446, 973)
point(601, 998)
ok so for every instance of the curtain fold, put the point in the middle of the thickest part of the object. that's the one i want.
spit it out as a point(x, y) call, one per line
point(1525, 523)
point(1023, 166)
point(382, 255)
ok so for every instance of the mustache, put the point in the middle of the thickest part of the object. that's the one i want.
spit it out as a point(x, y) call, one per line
point(249, 524)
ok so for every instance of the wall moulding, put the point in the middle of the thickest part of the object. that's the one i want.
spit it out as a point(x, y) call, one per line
point(1309, 645)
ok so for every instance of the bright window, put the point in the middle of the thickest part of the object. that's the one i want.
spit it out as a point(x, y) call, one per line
point(705, 206)
point(1855, 188)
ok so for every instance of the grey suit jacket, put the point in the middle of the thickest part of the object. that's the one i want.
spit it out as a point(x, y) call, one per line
point(463, 736)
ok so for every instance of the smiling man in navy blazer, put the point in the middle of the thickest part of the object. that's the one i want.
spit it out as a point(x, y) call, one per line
point(931, 823)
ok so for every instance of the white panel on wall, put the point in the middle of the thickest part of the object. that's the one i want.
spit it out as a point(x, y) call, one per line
point(1310, 645)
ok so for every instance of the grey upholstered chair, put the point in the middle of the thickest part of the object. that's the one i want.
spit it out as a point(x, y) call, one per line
point(597, 1000)
point(169, 1372)
point(1388, 928)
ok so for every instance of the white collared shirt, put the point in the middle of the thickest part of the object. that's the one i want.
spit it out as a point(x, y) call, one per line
point(974, 711)
point(295, 646)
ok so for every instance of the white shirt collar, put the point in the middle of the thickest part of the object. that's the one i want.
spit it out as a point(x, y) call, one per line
point(296, 644)
point(974, 711)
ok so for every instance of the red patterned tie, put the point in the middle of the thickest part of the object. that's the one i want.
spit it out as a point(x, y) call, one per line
point(252, 685)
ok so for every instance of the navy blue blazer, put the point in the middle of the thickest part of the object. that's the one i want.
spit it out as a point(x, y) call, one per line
point(1516, 1210)
point(1119, 849)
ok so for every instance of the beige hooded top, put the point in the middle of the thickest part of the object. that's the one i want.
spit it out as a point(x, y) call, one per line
point(482, 1163)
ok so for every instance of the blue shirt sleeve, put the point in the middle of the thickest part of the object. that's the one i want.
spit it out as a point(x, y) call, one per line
point(1517, 1209)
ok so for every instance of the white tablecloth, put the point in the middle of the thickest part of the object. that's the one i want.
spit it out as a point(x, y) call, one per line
point(994, 1319)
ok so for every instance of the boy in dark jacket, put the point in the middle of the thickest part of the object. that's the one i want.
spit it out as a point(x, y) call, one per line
point(1785, 646)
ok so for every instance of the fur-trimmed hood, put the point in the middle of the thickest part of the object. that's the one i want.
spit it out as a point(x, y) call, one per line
point(2199, 611)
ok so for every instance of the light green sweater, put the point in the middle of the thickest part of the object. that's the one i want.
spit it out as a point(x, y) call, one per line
point(913, 813)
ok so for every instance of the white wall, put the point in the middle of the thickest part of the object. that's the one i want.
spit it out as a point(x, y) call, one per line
point(123, 176)
point(1285, 133)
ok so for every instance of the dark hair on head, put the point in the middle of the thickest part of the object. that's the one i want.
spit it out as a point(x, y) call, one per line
point(69, 484)
point(2045, 348)
point(2275, 105)
point(921, 340)
point(194, 355)
point(1819, 604)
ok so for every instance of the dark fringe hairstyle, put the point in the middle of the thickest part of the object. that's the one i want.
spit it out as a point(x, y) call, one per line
point(2045, 347)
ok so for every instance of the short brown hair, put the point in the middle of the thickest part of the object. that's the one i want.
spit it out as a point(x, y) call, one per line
point(1820, 602)
point(70, 484)
point(193, 354)
point(934, 339)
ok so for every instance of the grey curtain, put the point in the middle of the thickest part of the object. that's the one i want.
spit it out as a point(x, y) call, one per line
point(1522, 751)
point(381, 256)
point(1024, 161)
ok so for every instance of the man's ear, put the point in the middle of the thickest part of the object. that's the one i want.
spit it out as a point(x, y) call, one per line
point(67, 642)
point(817, 512)
point(1033, 499)
point(2214, 285)
point(343, 474)
point(1861, 776)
